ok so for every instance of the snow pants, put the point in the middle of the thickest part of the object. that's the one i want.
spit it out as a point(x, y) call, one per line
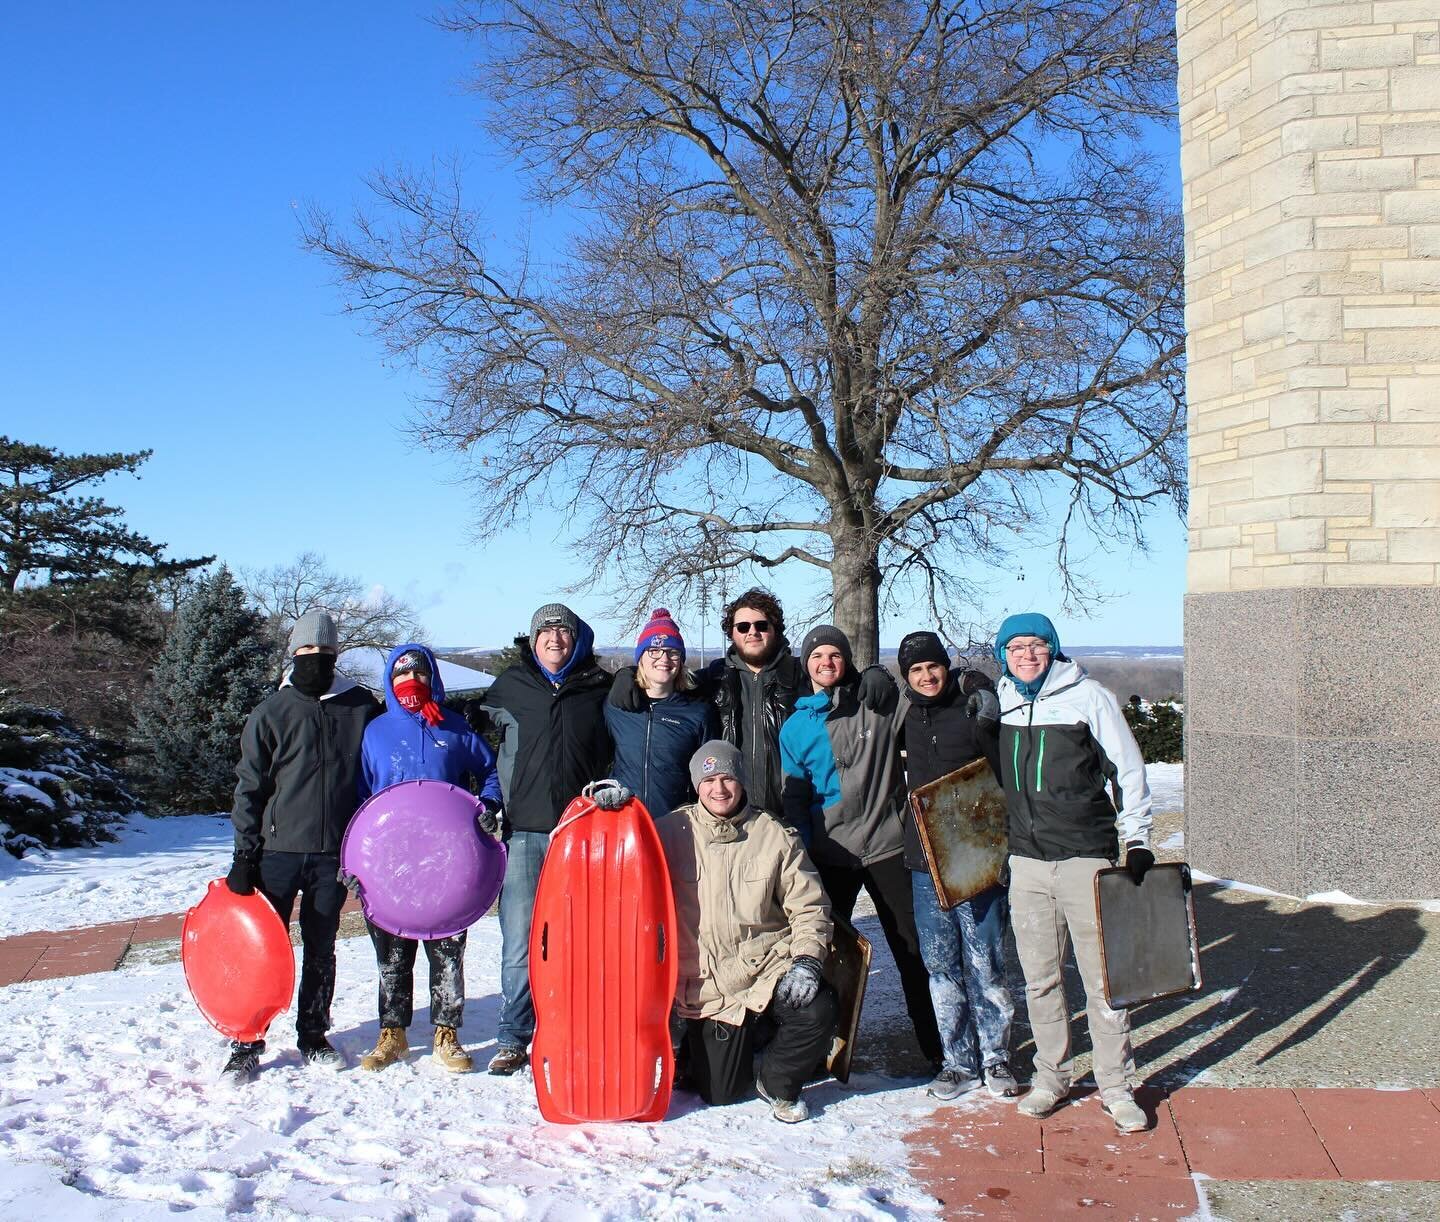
point(311, 876)
point(722, 1056)
point(1052, 905)
point(396, 959)
point(964, 952)
point(517, 907)
point(888, 884)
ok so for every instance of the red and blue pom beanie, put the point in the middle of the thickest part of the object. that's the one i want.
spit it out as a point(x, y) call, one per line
point(660, 633)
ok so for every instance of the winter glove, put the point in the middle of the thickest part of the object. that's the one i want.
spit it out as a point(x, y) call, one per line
point(1138, 860)
point(611, 797)
point(487, 818)
point(983, 706)
point(798, 986)
point(625, 693)
point(878, 691)
point(349, 882)
point(244, 874)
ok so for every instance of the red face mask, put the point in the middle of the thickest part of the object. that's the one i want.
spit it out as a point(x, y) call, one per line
point(412, 693)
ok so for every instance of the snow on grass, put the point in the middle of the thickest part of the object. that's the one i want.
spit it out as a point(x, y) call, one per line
point(155, 866)
point(108, 1086)
point(1167, 786)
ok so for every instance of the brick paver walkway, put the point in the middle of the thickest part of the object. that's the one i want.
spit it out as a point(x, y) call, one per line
point(991, 1161)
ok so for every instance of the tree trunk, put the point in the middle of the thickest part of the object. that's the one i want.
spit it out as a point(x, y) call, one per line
point(855, 574)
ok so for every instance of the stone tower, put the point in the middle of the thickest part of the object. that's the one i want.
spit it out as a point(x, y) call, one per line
point(1311, 162)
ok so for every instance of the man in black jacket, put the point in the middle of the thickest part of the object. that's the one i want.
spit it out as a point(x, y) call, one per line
point(953, 717)
point(299, 759)
point(549, 710)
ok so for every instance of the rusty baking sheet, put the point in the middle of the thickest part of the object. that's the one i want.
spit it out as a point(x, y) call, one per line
point(961, 821)
point(1148, 945)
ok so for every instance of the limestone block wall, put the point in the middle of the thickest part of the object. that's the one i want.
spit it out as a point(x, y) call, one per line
point(1311, 163)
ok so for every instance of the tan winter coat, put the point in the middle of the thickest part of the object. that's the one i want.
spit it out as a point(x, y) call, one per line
point(748, 903)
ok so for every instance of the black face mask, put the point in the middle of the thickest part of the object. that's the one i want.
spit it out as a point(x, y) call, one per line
point(312, 673)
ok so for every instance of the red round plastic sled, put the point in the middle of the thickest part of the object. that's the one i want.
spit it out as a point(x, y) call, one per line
point(603, 969)
point(238, 961)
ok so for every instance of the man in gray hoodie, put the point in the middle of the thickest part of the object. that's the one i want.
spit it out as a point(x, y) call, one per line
point(299, 763)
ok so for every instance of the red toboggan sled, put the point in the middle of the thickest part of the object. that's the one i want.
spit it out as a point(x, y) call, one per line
point(603, 968)
point(238, 961)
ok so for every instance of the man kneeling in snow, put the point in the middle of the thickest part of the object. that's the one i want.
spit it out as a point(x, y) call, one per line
point(754, 931)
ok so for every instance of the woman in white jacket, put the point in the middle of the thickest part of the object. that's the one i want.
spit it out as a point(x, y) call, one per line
point(1075, 791)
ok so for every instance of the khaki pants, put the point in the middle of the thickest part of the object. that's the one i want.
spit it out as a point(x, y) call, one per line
point(1052, 904)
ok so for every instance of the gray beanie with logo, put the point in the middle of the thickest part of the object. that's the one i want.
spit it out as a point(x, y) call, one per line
point(717, 758)
point(554, 615)
point(314, 628)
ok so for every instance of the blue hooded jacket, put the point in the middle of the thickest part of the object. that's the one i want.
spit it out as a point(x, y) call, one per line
point(400, 746)
point(653, 748)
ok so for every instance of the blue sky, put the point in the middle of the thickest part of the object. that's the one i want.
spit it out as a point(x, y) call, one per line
point(156, 296)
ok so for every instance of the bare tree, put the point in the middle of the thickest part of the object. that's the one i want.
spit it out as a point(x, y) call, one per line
point(880, 287)
point(364, 617)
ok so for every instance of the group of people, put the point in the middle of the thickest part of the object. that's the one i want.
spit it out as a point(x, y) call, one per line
point(779, 783)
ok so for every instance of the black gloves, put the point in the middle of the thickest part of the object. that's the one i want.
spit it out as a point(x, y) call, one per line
point(798, 986)
point(878, 691)
point(625, 693)
point(244, 874)
point(487, 818)
point(1138, 860)
point(983, 706)
point(611, 797)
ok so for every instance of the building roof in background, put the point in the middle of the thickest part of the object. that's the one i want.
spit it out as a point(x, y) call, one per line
point(367, 666)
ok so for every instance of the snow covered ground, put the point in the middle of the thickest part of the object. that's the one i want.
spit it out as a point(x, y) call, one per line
point(109, 1102)
point(156, 866)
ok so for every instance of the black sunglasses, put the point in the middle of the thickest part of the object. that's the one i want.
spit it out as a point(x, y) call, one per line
point(744, 626)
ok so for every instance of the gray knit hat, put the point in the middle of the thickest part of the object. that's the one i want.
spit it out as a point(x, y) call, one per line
point(314, 628)
point(554, 615)
point(826, 634)
point(717, 758)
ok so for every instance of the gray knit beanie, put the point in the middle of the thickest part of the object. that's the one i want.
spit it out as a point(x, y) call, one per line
point(554, 615)
point(314, 628)
point(826, 634)
point(717, 758)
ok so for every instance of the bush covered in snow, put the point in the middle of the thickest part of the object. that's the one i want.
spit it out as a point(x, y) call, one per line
point(58, 785)
point(1159, 729)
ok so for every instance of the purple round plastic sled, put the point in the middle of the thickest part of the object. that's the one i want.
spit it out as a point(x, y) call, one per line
point(425, 870)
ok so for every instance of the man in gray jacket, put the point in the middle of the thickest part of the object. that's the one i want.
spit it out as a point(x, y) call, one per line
point(299, 761)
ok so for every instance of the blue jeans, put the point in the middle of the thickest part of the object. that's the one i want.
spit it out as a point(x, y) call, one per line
point(517, 906)
point(964, 953)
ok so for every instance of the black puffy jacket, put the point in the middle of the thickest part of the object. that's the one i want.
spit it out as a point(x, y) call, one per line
point(554, 741)
point(299, 764)
point(938, 737)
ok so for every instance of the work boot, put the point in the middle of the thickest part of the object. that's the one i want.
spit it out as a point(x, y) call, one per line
point(244, 1062)
point(787, 1111)
point(449, 1053)
point(1125, 1112)
point(389, 1048)
point(508, 1060)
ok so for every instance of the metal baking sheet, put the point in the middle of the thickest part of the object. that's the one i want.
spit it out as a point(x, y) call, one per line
point(961, 821)
point(1148, 945)
point(848, 971)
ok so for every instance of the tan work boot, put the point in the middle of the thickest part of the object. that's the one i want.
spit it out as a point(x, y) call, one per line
point(449, 1053)
point(389, 1048)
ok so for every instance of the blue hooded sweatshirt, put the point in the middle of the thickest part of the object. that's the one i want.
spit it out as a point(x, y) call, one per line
point(400, 746)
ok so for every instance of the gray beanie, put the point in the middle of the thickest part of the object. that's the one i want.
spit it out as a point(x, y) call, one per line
point(314, 628)
point(554, 615)
point(826, 634)
point(717, 758)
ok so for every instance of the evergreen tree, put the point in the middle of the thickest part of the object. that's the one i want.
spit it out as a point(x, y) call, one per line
point(212, 671)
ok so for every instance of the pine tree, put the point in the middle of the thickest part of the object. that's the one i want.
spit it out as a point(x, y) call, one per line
point(212, 671)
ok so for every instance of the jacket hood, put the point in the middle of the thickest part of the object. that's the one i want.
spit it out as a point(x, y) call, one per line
point(732, 658)
point(1062, 675)
point(437, 684)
